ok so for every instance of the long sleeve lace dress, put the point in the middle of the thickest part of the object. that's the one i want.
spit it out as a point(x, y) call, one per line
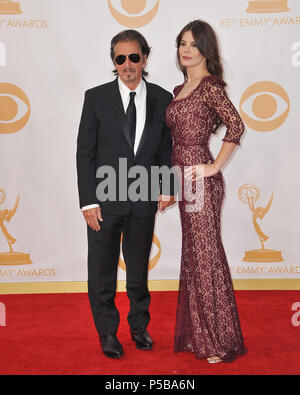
point(207, 321)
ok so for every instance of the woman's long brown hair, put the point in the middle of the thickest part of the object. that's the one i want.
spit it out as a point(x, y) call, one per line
point(207, 44)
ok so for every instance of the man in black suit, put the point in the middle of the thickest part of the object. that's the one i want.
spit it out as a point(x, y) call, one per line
point(122, 123)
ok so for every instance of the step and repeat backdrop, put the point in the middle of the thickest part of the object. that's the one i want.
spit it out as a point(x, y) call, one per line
point(51, 51)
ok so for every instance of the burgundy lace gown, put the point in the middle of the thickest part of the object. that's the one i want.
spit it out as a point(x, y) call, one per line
point(207, 321)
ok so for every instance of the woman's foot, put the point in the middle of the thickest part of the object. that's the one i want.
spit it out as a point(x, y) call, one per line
point(214, 360)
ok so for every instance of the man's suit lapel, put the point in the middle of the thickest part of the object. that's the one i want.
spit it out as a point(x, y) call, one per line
point(116, 102)
point(150, 112)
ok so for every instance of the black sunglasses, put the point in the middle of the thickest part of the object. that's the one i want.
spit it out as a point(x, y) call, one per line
point(133, 57)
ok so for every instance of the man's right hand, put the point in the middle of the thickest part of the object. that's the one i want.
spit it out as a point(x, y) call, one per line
point(92, 217)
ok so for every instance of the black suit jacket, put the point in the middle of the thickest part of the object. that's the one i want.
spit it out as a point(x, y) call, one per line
point(103, 139)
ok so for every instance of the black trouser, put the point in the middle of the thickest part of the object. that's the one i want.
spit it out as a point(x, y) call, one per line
point(103, 257)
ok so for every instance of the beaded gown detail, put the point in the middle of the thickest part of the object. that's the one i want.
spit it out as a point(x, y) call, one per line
point(207, 320)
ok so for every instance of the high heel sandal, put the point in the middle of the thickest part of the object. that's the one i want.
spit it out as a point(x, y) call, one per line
point(214, 360)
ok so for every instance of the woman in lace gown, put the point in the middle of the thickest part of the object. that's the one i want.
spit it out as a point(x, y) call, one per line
point(207, 321)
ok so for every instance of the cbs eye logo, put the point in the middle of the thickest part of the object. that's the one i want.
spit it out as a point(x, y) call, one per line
point(138, 13)
point(14, 108)
point(264, 106)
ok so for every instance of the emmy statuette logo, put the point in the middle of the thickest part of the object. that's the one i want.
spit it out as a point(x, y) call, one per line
point(249, 194)
point(11, 257)
point(267, 6)
point(9, 7)
point(152, 261)
point(134, 8)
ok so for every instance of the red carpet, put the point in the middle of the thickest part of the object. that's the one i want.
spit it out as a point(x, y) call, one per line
point(54, 334)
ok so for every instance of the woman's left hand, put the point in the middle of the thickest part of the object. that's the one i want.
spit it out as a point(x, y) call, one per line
point(193, 173)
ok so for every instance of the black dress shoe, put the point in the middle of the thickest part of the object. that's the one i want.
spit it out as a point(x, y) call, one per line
point(111, 346)
point(141, 338)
